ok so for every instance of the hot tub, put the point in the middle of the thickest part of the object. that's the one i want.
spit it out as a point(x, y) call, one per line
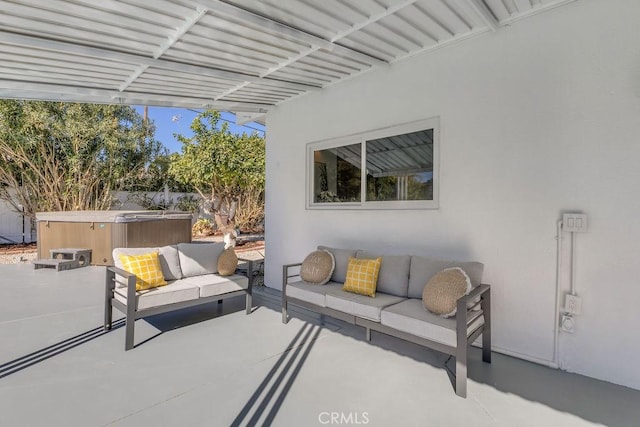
point(101, 231)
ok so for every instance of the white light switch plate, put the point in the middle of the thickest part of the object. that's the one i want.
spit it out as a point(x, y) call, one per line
point(574, 222)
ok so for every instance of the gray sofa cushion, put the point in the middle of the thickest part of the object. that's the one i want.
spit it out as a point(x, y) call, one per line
point(213, 284)
point(409, 316)
point(174, 292)
point(341, 257)
point(422, 269)
point(361, 305)
point(393, 278)
point(170, 262)
point(314, 294)
point(197, 259)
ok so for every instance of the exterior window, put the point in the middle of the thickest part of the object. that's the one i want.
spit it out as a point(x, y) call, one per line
point(400, 167)
point(336, 175)
point(400, 164)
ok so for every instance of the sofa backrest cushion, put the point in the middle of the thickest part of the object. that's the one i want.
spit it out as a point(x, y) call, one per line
point(393, 278)
point(341, 257)
point(169, 261)
point(197, 259)
point(423, 269)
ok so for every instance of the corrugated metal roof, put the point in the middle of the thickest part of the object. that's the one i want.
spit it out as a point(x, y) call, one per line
point(237, 55)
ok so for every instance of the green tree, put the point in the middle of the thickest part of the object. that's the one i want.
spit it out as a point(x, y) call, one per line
point(227, 170)
point(58, 156)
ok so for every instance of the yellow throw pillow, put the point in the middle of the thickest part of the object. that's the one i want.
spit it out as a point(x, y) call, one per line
point(147, 269)
point(362, 276)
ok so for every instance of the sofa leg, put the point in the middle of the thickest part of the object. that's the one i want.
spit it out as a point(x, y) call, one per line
point(108, 312)
point(461, 350)
point(461, 376)
point(108, 315)
point(108, 296)
point(128, 342)
point(285, 317)
point(486, 329)
point(249, 303)
point(368, 334)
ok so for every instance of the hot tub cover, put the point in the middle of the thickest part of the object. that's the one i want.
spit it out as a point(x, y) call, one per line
point(111, 216)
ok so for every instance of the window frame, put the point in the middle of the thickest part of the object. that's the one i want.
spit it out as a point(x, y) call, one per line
point(362, 138)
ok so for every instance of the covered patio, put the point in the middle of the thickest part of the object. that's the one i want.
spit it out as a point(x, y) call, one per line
point(537, 105)
point(214, 365)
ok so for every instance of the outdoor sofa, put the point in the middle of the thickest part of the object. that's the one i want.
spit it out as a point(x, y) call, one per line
point(191, 273)
point(397, 308)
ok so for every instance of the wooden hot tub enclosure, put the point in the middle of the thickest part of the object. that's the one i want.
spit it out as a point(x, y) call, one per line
point(101, 231)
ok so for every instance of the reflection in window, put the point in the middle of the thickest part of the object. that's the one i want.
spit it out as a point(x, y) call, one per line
point(388, 168)
point(337, 174)
point(400, 167)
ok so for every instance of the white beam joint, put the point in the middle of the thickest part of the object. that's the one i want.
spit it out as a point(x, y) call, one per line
point(137, 73)
point(231, 90)
point(373, 19)
point(485, 14)
point(244, 117)
point(180, 31)
point(171, 40)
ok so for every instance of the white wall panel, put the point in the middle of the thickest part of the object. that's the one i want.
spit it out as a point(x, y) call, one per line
point(537, 118)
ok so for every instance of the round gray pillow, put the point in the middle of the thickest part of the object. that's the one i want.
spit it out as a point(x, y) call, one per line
point(317, 267)
point(442, 291)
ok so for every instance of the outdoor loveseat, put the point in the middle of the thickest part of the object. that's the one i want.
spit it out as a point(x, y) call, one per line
point(192, 276)
point(397, 308)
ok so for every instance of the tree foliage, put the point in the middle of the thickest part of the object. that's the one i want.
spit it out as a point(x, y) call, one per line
point(64, 156)
point(226, 169)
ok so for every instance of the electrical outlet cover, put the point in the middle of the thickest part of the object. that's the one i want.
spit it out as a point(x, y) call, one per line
point(573, 304)
point(567, 323)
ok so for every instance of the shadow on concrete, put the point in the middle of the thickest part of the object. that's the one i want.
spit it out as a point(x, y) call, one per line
point(48, 352)
point(267, 397)
point(587, 398)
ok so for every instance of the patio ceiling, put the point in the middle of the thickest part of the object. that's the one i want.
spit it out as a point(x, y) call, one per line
point(237, 55)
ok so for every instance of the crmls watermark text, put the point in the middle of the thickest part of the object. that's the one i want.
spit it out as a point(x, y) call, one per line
point(343, 418)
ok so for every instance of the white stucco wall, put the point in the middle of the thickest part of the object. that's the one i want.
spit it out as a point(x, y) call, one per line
point(538, 118)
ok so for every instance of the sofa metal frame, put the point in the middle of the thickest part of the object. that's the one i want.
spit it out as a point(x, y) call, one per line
point(132, 313)
point(465, 315)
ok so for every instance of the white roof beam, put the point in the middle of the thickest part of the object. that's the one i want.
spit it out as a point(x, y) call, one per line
point(128, 58)
point(239, 13)
point(27, 90)
point(373, 19)
point(64, 97)
point(485, 13)
point(171, 40)
point(285, 30)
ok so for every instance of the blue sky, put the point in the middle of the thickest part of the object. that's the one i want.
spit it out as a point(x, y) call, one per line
point(170, 121)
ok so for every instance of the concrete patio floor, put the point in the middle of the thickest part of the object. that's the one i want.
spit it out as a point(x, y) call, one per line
point(215, 366)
